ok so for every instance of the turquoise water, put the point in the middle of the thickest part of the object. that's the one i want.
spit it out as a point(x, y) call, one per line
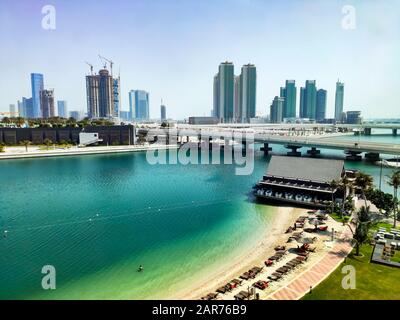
point(97, 218)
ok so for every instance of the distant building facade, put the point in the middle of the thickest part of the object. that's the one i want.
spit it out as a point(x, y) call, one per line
point(353, 117)
point(321, 105)
point(339, 100)
point(47, 103)
point(276, 110)
point(13, 112)
point(77, 115)
point(203, 120)
point(289, 93)
point(102, 93)
point(163, 111)
point(310, 99)
point(62, 108)
point(139, 105)
point(37, 86)
point(118, 135)
point(248, 82)
point(224, 92)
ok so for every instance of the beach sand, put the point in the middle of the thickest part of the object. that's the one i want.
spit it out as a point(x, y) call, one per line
point(283, 218)
point(256, 256)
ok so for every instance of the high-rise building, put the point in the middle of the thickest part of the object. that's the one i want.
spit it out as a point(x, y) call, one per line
point(163, 110)
point(276, 113)
point(28, 107)
point(302, 103)
point(339, 100)
point(289, 92)
point(125, 115)
point(37, 86)
point(47, 103)
point(353, 117)
point(225, 91)
point(248, 81)
point(101, 92)
point(237, 105)
point(308, 100)
point(77, 115)
point(62, 108)
point(116, 96)
point(216, 109)
point(12, 111)
point(321, 105)
point(21, 110)
point(139, 104)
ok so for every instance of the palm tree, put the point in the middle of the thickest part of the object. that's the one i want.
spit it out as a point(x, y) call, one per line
point(394, 181)
point(364, 182)
point(333, 185)
point(363, 224)
point(346, 185)
point(25, 143)
point(19, 121)
point(48, 143)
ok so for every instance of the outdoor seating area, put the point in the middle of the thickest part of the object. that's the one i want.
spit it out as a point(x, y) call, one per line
point(301, 181)
point(283, 262)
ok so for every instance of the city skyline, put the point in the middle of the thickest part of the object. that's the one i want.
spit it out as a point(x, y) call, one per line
point(346, 55)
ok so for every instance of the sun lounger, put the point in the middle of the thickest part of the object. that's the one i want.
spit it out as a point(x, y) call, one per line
point(245, 276)
point(242, 295)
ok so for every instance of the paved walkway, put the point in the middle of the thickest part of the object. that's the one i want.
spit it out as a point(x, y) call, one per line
point(299, 286)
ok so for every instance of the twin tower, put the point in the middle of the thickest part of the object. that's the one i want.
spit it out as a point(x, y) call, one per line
point(235, 96)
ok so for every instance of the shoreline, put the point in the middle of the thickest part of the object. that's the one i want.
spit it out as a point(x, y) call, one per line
point(74, 151)
point(256, 255)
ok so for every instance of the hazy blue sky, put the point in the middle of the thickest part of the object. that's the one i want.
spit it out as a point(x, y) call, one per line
point(172, 49)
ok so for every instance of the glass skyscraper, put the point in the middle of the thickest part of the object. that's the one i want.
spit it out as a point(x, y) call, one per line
point(163, 111)
point(139, 104)
point(339, 100)
point(248, 81)
point(37, 86)
point(225, 91)
point(308, 103)
point(62, 108)
point(289, 92)
point(321, 105)
point(276, 113)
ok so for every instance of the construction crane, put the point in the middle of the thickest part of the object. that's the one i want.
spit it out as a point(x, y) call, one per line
point(91, 67)
point(109, 61)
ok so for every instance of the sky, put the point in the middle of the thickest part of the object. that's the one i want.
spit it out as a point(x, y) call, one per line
point(172, 49)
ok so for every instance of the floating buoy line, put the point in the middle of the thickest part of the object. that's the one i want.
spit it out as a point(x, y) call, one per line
point(102, 217)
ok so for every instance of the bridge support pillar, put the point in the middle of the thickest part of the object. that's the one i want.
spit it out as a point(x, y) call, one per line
point(367, 131)
point(294, 152)
point(372, 156)
point(266, 149)
point(353, 155)
point(394, 132)
point(313, 152)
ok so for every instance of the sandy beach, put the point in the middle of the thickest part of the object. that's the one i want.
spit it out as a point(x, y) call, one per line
point(17, 152)
point(285, 217)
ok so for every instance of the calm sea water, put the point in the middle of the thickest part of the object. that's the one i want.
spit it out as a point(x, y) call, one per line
point(97, 218)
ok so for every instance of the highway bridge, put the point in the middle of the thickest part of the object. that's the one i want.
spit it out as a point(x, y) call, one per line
point(293, 143)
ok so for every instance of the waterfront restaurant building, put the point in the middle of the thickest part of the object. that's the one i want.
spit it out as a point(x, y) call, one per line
point(304, 182)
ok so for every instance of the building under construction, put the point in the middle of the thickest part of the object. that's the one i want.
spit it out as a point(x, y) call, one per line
point(103, 93)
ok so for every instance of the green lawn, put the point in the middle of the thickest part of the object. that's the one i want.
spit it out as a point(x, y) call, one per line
point(373, 281)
